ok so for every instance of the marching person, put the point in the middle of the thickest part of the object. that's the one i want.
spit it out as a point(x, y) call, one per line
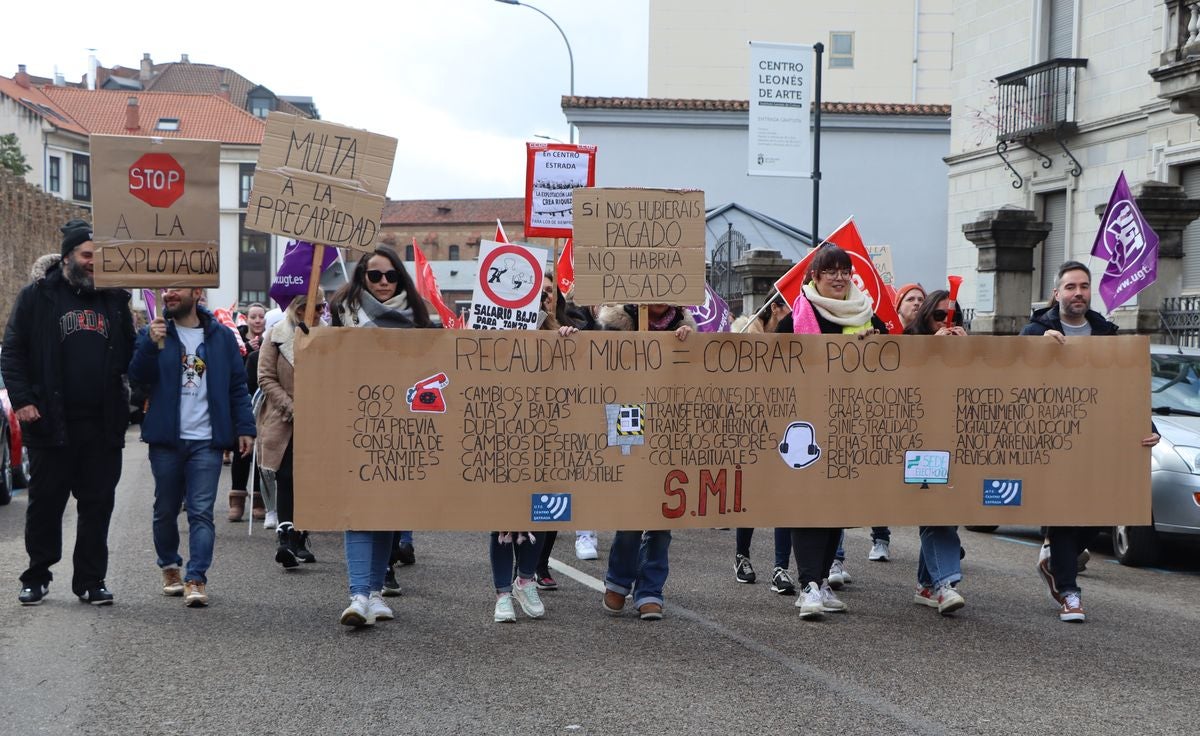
point(240, 473)
point(939, 569)
point(638, 561)
point(1070, 316)
point(199, 408)
point(830, 303)
point(66, 352)
point(380, 293)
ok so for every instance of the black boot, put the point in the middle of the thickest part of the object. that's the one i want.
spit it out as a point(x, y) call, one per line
point(300, 547)
point(284, 550)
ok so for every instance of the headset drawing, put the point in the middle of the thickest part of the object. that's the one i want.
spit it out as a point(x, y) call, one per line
point(799, 445)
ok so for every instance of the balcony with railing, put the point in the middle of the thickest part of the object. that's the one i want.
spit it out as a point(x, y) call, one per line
point(1037, 101)
point(1178, 73)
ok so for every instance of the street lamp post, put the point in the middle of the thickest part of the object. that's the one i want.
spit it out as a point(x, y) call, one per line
point(570, 55)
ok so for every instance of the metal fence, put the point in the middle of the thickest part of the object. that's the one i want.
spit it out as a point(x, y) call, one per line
point(1180, 320)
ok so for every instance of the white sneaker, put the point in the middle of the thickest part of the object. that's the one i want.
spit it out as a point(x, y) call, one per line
point(879, 551)
point(377, 609)
point(271, 521)
point(357, 614)
point(830, 602)
point(809, 602)
point(526, 593)
point(585, 545)
point(949, 600)
point(838, 575)
point(504, 612)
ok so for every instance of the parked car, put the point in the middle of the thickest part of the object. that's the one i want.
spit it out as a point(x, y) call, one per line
point(14, 469)
point(1174, 462)
point(6, 470)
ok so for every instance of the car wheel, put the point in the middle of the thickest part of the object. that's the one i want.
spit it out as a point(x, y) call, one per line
point(1135, 545)
point(6, 477)
point(982, 529)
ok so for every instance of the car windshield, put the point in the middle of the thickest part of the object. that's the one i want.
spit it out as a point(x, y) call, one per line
point(1175, 381)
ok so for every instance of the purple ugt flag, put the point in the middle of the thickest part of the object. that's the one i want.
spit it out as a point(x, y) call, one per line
point(291, 280)
point(148, 296)
point(1128, 246)
point(713, 315)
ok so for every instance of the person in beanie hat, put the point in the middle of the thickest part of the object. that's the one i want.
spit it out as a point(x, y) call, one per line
point(909, 299)
point(66, 352)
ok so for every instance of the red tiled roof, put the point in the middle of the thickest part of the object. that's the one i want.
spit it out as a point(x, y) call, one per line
point(465, 211)
point(206, 79)
point(202, 117)
point(835, 108)
point(31, 97)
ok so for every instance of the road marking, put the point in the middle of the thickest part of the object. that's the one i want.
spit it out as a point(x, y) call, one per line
point(1160, 570)
point(1014, 540)
point(827, 679)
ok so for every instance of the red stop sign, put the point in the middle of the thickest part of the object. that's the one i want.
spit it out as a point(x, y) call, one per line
point(156, 179)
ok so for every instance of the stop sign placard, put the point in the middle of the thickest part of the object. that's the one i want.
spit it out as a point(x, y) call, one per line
point(156, 179)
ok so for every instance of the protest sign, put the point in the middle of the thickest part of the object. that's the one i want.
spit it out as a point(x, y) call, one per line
point(441, 429)
point(1128, 246)
point(157, 219)
point(780, 132)
point(881, 258)
point(552, 172)
point(508, 295)
point(639, 246)
point(320, 182)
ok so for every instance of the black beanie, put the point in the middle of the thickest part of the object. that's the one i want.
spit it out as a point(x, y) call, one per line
point(74, 233)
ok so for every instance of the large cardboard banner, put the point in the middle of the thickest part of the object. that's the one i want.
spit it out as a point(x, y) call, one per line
point(437, 429)
point(639, 246)
point(157, 218)
point(320, 182)
point(508, 294)
point(780, 132)
point(552, 172)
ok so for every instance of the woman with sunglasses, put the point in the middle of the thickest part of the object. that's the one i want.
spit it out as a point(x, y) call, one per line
point(829, 304)
point(276, 378)
point(939, 569)
point(379, 294)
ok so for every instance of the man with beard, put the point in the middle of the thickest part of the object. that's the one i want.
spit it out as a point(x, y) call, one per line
point(199, 408)
point(1069, 316)
point(66, 351)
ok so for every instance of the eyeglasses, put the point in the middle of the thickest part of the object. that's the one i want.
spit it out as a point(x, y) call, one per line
point(833, 273)
point(375, 276)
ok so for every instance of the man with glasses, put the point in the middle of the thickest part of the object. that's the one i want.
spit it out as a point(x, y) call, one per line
point(199, 408)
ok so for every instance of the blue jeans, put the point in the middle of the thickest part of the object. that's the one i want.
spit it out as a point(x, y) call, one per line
point(940, 563)
point(637, 563)
point(367, 555)
point(783, 544)
point(526, 554)
point(185, 475)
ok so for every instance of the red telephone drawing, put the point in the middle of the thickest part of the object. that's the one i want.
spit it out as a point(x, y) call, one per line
point(426, 395)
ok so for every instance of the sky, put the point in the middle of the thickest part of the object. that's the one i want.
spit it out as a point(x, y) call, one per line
point(462, 84)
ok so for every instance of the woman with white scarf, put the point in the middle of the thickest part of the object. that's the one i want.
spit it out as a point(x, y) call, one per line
point(829, 304)
point(379, 294)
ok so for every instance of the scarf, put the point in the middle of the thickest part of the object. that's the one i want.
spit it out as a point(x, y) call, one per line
point(664, 322)
point(395, 312)
point(853, 313)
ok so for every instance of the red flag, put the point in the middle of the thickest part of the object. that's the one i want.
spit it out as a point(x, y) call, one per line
point(866, 277)
point(427, 287)
point(224, 317)
point(566, 267)
point(500, 236)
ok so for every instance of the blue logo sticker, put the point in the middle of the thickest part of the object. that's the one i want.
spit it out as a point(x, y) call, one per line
point(1001, 492)
point(551, 507)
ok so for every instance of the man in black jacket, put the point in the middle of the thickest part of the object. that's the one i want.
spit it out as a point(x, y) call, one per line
point(66, 351)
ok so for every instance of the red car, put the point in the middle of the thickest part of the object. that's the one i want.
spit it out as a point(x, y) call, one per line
point(14, 461)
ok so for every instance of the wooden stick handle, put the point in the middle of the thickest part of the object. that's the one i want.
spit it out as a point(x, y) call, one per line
point(314, 284)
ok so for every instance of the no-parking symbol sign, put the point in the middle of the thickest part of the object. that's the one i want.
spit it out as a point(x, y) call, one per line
point(508, 293)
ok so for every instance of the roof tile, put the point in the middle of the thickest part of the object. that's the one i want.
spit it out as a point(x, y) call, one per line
point(834, 108)
point(202, 117)
point(32, 97)
point(464, 211)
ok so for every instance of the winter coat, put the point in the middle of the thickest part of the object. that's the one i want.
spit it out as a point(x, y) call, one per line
point(277, 379)
point(32, 358)
point(1047, 318)
point(229, 411)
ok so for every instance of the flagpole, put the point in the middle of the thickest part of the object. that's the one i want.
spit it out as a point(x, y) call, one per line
point(761, 309)
point(314, 279)
point(818, 50)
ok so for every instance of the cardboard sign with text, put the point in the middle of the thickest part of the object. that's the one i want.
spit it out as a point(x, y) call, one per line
point(440, 429)
point(881, 256)
point(157, 217)
point(508, 293)
point(320, 182)
point(639, 246)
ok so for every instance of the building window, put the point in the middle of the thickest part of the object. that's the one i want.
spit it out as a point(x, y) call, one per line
point(408, 252)
point(1189, 177)
point(246, 183)
point(81, 174)
point(254, 265)
point(167, 124)
point(453, 253)
point(1058, 23)
point(1054, 247)
point(841, 50)
point(260, 107)
point(55, 182)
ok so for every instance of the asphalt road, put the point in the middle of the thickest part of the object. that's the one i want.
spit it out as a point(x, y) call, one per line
point(268, 655)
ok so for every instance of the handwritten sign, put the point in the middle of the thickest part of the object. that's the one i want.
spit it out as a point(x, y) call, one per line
point(320, 182)
point(552, 172)
point(434, 429)
point(157, 219)
point(639, 246)
point(508, 293)
point(881, 256)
